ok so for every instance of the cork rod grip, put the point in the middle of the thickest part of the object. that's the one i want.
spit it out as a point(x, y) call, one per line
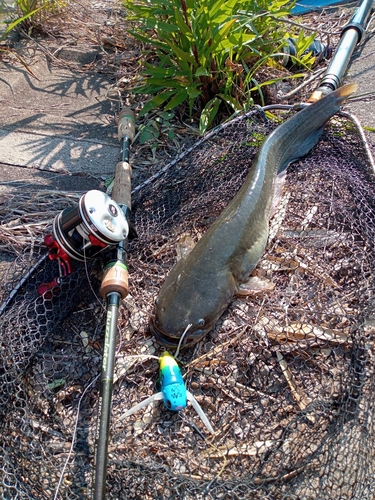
point(115, 277)
point(122, 186)
point(126, 132)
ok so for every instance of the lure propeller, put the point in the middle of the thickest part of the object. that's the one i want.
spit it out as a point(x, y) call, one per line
point(155, 397)
point(198, 409)
point(172, 391)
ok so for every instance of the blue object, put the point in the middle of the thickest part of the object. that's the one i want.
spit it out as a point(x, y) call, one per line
point(171, 383)
point(172, 391)
point(304, 6)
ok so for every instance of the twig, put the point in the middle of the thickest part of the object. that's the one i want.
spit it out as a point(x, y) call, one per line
point(303, 85)
point(229, 382)
point(220, 348)
point(300, 398)
point(303, 26)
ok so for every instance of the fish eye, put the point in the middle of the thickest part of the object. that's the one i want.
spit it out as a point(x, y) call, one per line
point(168, 404)
point(156, 302)
point(201, 322)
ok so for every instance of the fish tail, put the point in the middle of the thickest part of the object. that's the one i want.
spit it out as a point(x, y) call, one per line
point(337, 97)
point(344, 92)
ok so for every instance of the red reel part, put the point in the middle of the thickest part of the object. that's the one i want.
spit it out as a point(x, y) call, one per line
point(82, 232)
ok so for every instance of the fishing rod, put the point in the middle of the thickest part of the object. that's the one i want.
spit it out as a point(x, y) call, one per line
point(351, 35)
point(114, 287)
point(82, 233)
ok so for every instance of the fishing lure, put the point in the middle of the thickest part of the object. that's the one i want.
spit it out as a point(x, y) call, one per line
point(172, 391)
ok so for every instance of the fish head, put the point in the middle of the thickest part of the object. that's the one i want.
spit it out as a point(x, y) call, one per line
point(170, 336)
point(195, 302)
point(170, 323)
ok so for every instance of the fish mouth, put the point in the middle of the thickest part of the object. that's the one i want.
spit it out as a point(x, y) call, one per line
point(172, 341)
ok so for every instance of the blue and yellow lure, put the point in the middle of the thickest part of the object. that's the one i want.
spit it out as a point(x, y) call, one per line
point(172, 389)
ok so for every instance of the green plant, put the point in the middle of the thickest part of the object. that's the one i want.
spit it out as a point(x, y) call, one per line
point(157, 129)
point(27, 10)
point(157, 126)
point(31, 7)
point(205, 54)
point(30, 10)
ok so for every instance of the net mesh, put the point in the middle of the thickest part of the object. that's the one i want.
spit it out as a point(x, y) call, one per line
point(286, 377)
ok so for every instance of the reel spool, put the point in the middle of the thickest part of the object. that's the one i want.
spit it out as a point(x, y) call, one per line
point(84, 231)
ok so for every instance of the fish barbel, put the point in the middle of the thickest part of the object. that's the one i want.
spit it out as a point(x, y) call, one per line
point(201, 285)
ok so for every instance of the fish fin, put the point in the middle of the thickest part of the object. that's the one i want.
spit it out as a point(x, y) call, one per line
point(304, 148)
point(158, 396)
point(185, 245)
point(340, 94)
point(199, 410)
point(278, 193)
point(278, 216)
point(145, 402)
point(255, 285)
point(345, 91)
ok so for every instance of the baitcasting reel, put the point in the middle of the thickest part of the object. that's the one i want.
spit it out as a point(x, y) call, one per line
point(96, 223)
point(82, 232)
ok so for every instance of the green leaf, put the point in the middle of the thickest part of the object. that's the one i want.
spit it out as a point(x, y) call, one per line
point(201, 71)
point(55, 384)
point(170, 83)
point(146, 39)
point(161, 26)
point(223, 32)
point(208, 114)
point(233, 103)
point(162, 72)
point(180, 21)
point(15, 23)
point(147, 89)
point(180, 97)
point(155, 102)
point(167, 116)
point(170, 134)
point(147, 135)
point(108, 181)
point(185, 56)
point(194, 92)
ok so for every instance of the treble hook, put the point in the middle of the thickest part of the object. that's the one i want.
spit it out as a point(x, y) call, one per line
point(172, 391)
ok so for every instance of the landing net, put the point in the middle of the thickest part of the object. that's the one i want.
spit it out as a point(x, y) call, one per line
point(286, 378)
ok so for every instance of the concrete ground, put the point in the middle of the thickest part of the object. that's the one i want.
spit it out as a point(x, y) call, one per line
point(61, 123)
point(58, 127)
point(362, 71)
